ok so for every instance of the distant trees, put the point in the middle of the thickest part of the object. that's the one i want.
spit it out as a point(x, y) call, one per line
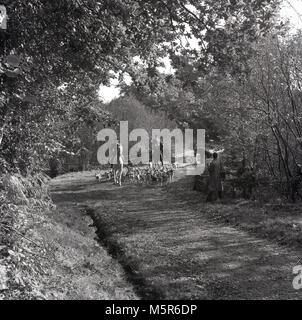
point(256, 115)
point(139, 116)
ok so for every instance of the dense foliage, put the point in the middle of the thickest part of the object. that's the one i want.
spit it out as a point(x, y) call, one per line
point(55, 54)
point(256, 116)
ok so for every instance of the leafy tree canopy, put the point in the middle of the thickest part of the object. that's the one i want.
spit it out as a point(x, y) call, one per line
point(78, 43)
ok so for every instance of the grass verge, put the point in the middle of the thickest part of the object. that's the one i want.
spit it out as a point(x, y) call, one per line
point(49, 252)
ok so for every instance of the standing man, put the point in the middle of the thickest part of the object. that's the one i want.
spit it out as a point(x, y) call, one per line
point(2, 133)
point(161, 148)
point(215, 184)
point(119, 165)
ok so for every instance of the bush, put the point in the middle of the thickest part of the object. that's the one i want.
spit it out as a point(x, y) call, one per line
point(23, 200)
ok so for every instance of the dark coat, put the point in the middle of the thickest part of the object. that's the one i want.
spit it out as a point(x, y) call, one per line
point(215, 184)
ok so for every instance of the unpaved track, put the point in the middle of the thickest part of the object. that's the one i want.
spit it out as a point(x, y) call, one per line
point(170, 251)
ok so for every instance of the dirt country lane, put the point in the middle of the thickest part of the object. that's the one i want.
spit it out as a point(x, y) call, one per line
point(169, 250)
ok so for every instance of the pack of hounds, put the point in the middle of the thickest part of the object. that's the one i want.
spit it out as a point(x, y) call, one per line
point(154, 173)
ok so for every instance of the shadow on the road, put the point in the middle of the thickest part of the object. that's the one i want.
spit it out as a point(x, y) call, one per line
point(170, 251)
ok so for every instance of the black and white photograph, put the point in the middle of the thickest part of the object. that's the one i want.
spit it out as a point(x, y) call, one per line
point(150, 153)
